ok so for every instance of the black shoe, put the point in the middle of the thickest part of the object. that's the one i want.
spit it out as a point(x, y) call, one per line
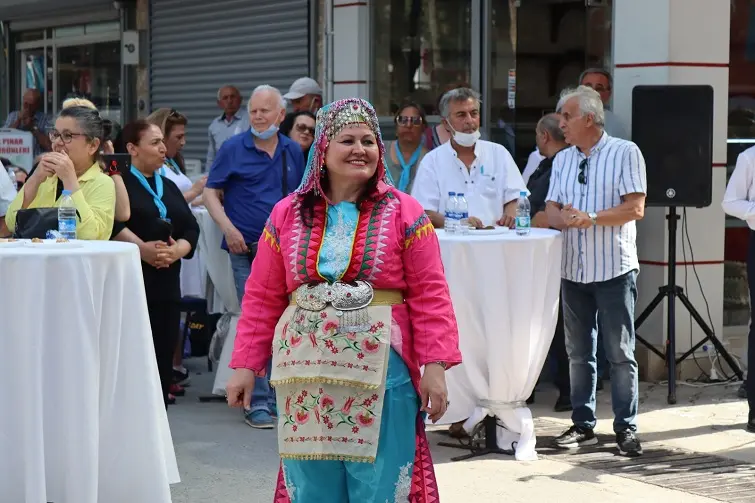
point(181, 377)
point(563, 404)
point(751, 425)
point(629, 444)
point(742, 391)
point(575, 437)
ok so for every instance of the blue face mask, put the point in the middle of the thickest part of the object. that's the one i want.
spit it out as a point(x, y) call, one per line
point(267, 133)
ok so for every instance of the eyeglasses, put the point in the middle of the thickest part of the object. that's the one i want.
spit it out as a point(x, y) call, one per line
point(67, 136)
point(582, 177)
point(305, 129)
point(403, 120)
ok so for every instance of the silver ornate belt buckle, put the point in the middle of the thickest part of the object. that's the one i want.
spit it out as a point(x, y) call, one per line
point(342, 296)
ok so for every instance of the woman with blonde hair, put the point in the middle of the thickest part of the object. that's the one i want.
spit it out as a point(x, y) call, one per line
point(173, 126)
point(122, 205)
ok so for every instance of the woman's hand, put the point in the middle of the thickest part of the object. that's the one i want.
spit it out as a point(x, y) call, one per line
point(168, 253)
point(63, 167)
point(239, 388)
point(45, 169)
point(196, 190)
point(433, 391)
point(149, 252)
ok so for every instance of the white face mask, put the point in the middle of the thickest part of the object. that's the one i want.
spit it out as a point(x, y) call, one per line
point(465, 139)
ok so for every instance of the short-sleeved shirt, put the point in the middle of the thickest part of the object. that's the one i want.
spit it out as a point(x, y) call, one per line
point(252, 181)
point(220, 129)
point(492, 181)
point(42, 121)
point(615, 168)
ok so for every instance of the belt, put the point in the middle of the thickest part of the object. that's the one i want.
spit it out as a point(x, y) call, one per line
point(384, 297)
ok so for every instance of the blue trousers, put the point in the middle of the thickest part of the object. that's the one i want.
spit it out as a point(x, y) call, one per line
point(263, 396)
point(614, 302)
point(389, 478)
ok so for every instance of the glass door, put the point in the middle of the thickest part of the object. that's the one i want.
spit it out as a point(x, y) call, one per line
point(36, 73)
point(538, 48)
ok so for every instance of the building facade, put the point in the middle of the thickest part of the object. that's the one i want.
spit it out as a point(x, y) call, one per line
point(519, 53)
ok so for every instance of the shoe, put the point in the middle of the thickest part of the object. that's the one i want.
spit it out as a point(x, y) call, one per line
point(751, 425)
point(563, 404)
point(574, 437)
point(259, 419)
point(181, 377)
point(742, 391)
point(629, 444)
point(177, 390)
point(171, 399)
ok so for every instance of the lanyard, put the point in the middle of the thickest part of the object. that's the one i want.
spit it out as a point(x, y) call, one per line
point(156, 196)
point(172, 165)
point(406, 168)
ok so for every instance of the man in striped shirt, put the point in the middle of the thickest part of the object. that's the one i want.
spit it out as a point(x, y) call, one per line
point(596, 194)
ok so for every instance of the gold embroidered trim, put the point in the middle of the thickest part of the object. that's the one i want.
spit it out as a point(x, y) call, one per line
point(324, 380)
point(328, 457)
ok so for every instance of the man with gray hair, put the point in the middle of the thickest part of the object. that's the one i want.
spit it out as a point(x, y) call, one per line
point(231, 122)
point(597, 192)
point(483, 171)
point(253, 171)
point(601, 81)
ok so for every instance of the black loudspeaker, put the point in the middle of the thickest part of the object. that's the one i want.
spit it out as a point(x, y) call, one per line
point(673, 126)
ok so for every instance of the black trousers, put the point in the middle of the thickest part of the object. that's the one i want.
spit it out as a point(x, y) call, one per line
point(751, 337)
point(559, 357)
point(165, 319)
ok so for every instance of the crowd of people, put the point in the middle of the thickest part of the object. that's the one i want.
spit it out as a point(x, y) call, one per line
point(335, 328)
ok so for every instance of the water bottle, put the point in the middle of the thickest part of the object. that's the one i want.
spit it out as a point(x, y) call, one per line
point(449, 221)
point(67, 216)
point(523, 215)
point(12, 176)
point(462, 214)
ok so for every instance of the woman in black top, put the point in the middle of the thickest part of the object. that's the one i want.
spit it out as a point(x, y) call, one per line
point(165, 230)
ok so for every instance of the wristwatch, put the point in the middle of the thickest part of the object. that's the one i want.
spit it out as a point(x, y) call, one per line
point(594, 217)
point(442, 364)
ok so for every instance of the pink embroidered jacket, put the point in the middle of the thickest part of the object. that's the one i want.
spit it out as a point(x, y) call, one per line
point(395, 247)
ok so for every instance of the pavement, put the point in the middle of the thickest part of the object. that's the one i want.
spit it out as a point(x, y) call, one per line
point(222, 459)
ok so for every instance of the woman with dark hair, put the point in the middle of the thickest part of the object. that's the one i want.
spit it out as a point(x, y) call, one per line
point(165, 230)
point(300, 127)
point(347, 295)
point(72, 167)
point(402, 156)
point(173, 126)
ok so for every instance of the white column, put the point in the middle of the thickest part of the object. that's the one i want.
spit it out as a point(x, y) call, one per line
point(351, 50)
point(677, 42)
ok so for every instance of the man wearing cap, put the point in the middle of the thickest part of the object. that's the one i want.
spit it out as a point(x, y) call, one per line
point(305, 95)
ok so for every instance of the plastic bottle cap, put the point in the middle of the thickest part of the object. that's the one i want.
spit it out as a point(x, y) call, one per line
point(461, 193)
point(452, 193)
point(67, 192)
point(523, 193)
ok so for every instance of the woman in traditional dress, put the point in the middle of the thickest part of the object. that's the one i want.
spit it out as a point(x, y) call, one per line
point(348, 293)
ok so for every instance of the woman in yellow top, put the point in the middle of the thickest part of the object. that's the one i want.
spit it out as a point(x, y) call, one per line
point(74, 162)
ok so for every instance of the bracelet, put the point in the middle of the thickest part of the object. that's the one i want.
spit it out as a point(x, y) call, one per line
point(442, 364)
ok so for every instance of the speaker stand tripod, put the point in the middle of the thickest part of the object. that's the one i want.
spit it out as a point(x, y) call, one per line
point(489, 423)
point(673, 292)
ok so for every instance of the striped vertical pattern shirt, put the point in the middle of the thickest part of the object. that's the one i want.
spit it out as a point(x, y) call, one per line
point(614, 168)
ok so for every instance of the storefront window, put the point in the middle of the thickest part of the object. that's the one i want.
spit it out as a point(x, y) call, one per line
point(421, 47)
point(92, 71)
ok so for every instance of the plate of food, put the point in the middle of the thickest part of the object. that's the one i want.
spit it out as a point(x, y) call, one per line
point(53, 243)
point(488, 230)
point(10, 243)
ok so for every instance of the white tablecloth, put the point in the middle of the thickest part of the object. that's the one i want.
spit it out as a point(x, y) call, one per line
point(82, 419)
point(221, 292)
point(505, 291)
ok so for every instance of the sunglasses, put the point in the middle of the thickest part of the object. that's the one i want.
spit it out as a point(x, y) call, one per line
point(301, 128)
point(582, 177)
point(403, 120)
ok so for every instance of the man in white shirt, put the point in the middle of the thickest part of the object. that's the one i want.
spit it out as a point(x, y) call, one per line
point(596, 194)
point(739, 201)
point(483, 171)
